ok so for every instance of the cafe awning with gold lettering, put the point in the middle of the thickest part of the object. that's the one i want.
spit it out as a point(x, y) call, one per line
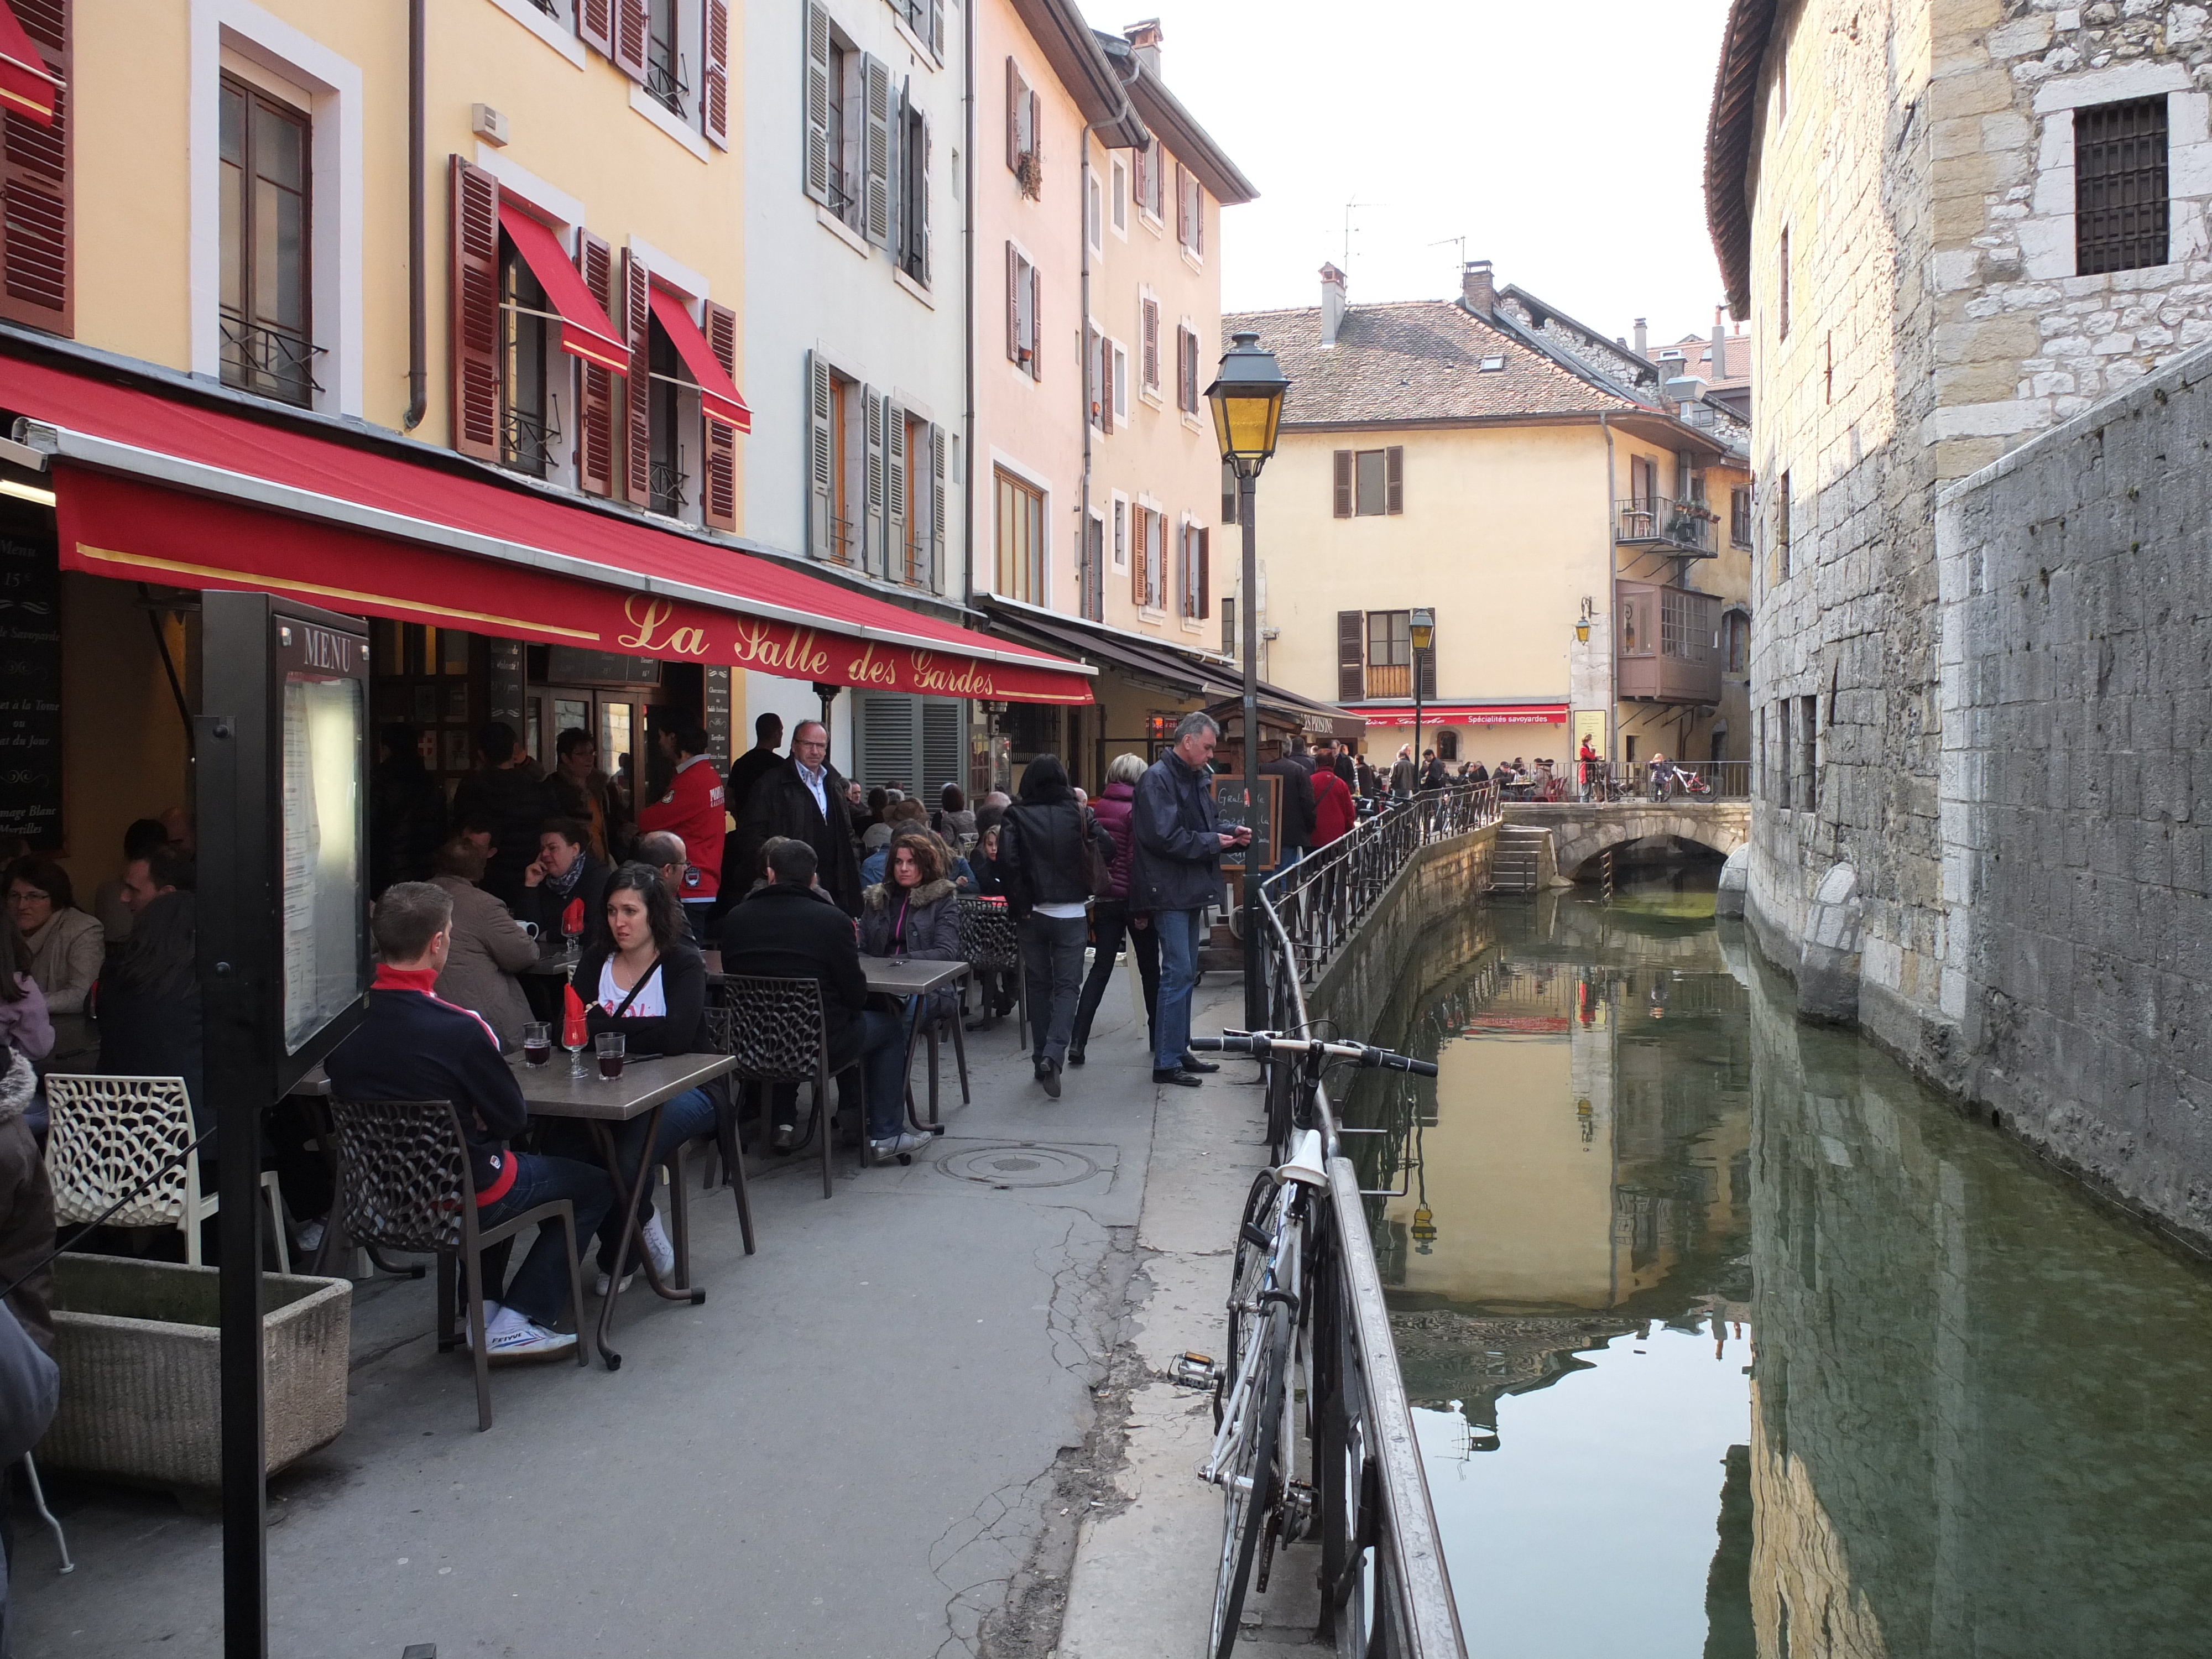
point(169, 490)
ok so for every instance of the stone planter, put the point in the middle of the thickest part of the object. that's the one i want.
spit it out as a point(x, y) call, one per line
point(141, 1396)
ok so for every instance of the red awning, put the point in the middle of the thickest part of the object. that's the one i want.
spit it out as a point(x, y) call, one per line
point(153, 489)
point(1476, 714)
point(717, 394)
point(584, 331)
point(27, 86)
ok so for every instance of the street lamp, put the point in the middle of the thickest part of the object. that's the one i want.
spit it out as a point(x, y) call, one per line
point(1583, 624)
point(1247, 395)
point(1424, 629)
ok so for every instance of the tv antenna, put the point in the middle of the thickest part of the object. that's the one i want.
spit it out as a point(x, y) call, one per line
point(1459, 242)
point(1349, 208)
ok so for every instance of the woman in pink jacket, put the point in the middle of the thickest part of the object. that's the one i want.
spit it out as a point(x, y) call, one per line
point(1111, 919)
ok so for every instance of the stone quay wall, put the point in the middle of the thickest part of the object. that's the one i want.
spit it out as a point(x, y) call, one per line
point(1438, 886)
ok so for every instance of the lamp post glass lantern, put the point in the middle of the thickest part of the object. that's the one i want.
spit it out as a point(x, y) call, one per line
point(1247, 395)
point(1422, 626)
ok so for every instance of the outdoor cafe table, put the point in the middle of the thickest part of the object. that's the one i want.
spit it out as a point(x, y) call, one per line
point(644, 1087)
point(902, 976)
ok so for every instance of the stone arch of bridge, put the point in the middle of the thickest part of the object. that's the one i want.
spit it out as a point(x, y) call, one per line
point(1720, 830)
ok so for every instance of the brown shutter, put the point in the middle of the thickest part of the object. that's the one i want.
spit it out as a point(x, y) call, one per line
point(475, 310)
point(1140, 581)
point(1106, 386)
point(595, 435)
point(1205, 574)
point(1015, 94)
point(1344, 465)
point(1426, 663)
point(714, 73)
point(595, 24)
point(719, 442)
point(38, 190)
point(1152, 309)
point(1037, 324)
point(1013, 305)
point(633, 25)
point(637, 406)
point(1393, 478)
point(1351, 651)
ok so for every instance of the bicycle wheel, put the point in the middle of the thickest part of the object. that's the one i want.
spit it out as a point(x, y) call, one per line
point(1250, 1485)
point(1256, 1242)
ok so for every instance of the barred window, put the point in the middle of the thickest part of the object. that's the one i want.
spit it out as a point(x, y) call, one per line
point(2119, 187)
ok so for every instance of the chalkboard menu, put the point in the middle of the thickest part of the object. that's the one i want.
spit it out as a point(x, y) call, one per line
point(30, 675)
point(1232, 809)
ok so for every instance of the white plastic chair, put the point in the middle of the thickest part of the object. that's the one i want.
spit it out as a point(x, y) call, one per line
point(107, 1134)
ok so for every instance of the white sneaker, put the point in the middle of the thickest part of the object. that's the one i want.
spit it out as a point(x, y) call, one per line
point(492, 1311)
point(310, 1237)
point(519, 1338)
point(658, 1249)
point(904, 1142)
point(601, 1285)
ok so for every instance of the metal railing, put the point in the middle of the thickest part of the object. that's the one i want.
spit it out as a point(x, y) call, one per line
point(1385, 1591)
point(269, 361)
point(1600, 781)
point(1654, 521)
point(1320, 901)
point(664, 80)
point(529, 440)
point(665, 486)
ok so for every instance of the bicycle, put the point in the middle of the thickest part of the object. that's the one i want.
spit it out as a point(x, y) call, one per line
point(1253, 1456)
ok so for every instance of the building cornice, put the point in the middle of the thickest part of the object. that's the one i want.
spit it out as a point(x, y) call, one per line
point(1728, 129)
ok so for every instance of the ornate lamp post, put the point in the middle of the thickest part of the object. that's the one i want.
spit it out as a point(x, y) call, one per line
point(1424, 629)
point(1247, 395)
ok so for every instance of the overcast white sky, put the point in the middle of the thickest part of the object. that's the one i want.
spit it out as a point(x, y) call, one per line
point(1565, 142)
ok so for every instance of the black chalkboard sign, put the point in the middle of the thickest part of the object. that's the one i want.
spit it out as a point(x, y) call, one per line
point(1231, 806)
point(30, 675)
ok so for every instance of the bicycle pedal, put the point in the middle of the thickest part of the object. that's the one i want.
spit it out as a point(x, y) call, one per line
point(1194, 1370)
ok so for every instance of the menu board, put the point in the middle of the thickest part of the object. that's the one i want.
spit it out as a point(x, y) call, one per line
point(1232, 809)
point(30, 676)
point(321, 872)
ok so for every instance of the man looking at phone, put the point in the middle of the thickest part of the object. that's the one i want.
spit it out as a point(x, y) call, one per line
point(1176, 875)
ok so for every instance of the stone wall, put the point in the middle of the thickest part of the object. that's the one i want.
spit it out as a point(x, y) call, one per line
point(1439, 887)
point(2077, 870)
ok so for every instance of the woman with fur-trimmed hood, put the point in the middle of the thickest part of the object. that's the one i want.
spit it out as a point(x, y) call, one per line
point(913, 912)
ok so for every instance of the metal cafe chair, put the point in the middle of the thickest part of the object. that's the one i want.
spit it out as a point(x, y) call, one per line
point(404, 1182)
point(775, 1030)
point(988, 940)
point(107, 1134)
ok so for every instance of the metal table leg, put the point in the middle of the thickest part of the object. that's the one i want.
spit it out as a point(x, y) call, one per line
point(634, 1229)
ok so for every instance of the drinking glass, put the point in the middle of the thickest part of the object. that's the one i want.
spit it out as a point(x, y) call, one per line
point(610, 1055)
point(537, 1043)
point(575, 1038)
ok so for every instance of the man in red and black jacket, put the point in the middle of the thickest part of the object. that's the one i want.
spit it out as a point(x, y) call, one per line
point(410, 1045)
point(693, 809)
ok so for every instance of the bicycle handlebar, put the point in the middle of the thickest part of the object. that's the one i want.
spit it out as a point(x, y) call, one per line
point(1260, 1044)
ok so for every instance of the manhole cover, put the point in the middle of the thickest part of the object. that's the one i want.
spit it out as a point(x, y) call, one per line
point(1019, 1166)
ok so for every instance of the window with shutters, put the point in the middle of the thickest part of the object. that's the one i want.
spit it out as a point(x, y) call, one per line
point(1118, 197)
point(1148, 343)
point(1152, 548)
point(1186, 369)
point(669, 477)
point(1024, 139)
point(1024, 292)
point(36, 187)
point(910, 240)
point(1369, 482)
point(1094, 568)
point(2120, 205)
point(1149, 168)
point(1019, 538)
point(1191, 596)
point(1228, 627)
point(840, 192)
point(1096, 393)
point(836, 462)
point(1094, 211)
point(268, 341)
point(1118, 369)
point(1390, 654)
point(1351, 655)
point(1740, 518)
point(530, 413)
point(668, 80)
point(1736, 644)
point(1120, 540)
point(925, 20)
point(1190, 212)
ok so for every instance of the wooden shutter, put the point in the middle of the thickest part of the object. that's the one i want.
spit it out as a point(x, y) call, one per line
point(1197, 216)
point(718, 442)
point(1106, 386)
point(595, 24)
point(872, 430)
point(1393, 478)
point(937, 445)
point(894, 179)
point(38, 193)
point(1151, 316)
point(714, 73)
point(595, 425)
point(1037, 324)
point(1350, 647)
point(818, 103)
point(637, 399)
point(1013, 305)
point(918, 230)
point(632, 26)
point(894, 488)
point(876, 169)
point(1017, 99)
point(936, 28)
point(1205, 574)
point(1425, 667)
point(475, 310)
point(820, 463)
point(1140, 582)
point(1344, 470)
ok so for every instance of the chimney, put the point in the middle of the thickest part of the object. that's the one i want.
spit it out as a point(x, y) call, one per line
point(1331, 303)
point(1478, 288)
point(1642, 339)
point(1144, 37)
point(1720, 343)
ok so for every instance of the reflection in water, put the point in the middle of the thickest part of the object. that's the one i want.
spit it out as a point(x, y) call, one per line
point(1976, 1421)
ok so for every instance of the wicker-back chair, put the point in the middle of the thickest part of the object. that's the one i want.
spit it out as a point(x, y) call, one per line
point(403, 1183)
point(108, 1135)
point(776, 1031)
point(990, 941)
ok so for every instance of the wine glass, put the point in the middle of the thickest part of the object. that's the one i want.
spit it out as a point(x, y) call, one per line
point(575, 1038)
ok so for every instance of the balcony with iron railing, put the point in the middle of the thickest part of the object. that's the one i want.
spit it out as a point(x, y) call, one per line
point(529, 440)
point(664, 485)
point(1681, 529)
point(664, 80)
point(269, 361)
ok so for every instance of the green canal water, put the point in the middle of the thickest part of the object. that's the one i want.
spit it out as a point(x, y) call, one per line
point(1726, 1338)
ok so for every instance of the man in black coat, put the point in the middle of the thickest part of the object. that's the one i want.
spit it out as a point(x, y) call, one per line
point(1294, 804)
point(506, 796)
point(785, 932)
point(804, 799)
point(745, 775)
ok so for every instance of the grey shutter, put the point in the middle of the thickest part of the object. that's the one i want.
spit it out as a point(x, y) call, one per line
point(918, 231)
point(1393, 478)
point(1106, 386)
point(886, 750)
point(1228, 493)
point(895, 182)
point(1205, 574)
point(1037, 324)
point(818, 103)
point(1351, 651)
point(943, 745)
point(1425, 669)
point(1344, 465)
point(821, 464)
point(871, 424)
point(876, 167)
point(937, 447)
point(894, 498)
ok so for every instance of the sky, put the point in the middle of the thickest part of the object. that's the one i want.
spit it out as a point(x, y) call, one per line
point(1565, 142)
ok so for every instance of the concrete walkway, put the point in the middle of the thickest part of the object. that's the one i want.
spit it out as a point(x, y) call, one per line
point(887, 1434)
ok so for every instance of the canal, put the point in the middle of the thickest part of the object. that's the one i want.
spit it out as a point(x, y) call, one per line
point(1726, 1338)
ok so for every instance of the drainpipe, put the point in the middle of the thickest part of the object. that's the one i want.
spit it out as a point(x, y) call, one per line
point(1613, 641)
point(968, 241)
point(418, 326)
point(1083, 208)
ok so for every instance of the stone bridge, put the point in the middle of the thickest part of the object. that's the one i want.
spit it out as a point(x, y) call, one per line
point(1580, 833)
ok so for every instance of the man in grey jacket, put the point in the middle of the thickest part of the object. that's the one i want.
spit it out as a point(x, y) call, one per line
point(1176, 875)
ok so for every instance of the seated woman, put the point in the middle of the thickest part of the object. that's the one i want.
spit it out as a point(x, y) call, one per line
point(644, 978)
point(489, 947)
point(565, 872)
point(912, 913)
point(66, 944)
point(904, 817)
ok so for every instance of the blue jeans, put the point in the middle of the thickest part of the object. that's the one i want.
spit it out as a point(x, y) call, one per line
point(1052, 962)
point(540, 1288)
point(1179, 935)
point(882, 1065)
point(692, 1114)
